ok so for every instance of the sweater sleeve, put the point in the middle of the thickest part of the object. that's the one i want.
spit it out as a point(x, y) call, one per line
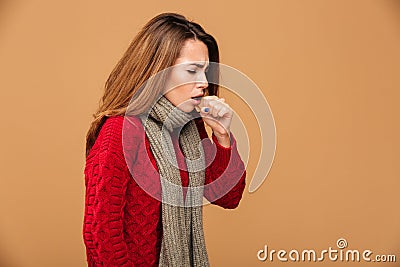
point(106, 184)
point(225, 173)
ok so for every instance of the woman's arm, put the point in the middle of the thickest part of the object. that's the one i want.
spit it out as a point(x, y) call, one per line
point(106, 184)
point(225, 174)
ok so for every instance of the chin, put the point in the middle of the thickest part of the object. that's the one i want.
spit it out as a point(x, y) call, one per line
point(186, 108)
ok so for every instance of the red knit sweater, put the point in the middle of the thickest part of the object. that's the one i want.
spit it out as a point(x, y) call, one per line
point(122, 223)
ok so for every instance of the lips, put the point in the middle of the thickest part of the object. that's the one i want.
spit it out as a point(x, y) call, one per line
point(198, 98)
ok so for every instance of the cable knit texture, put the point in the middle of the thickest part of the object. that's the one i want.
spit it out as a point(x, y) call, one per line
point(122, 222)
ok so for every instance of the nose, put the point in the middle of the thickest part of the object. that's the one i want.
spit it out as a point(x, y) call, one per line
point(202, 82)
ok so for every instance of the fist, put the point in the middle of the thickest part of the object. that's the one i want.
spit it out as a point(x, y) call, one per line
point(217, 114)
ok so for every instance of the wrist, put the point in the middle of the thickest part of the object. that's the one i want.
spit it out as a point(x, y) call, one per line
point(223, 139)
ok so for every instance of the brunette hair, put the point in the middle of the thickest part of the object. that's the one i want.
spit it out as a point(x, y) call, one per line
point(154, 48)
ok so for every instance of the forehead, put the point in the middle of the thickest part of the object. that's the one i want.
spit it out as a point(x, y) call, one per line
point(193, 50)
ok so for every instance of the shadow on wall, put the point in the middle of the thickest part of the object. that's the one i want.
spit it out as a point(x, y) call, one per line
point(6, 11)
point(5, 259)
point(4, 4)
point(6, 7)
point(394, 7)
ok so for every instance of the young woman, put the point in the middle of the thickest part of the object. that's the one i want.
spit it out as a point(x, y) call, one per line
point(143, 205)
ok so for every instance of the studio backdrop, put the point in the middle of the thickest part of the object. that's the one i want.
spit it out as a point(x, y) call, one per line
point(329, 71)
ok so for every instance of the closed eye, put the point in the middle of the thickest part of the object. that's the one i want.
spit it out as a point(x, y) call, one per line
point(194, 71)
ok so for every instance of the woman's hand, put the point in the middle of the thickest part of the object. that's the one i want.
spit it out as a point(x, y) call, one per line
point(218, 115)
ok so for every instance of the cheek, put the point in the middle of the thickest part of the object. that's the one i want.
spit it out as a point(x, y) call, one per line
point(179, 87)
point(180, 78)
point(183, 92)
point(180, 94)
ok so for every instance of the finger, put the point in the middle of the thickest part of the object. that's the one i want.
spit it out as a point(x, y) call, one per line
point(204, 110)
point(205, 100)
point(218, 102)
point(216, 109)
point(223, 111)
point(211, 97)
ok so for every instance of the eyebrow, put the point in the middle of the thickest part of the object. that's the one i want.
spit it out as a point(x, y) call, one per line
point(199, 65)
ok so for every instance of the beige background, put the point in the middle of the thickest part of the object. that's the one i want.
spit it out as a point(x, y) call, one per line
point(329, 69)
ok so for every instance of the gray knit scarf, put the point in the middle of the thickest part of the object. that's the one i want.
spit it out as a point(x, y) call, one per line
point(183, 241)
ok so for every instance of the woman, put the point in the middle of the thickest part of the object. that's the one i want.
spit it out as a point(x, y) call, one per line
point(143, 205)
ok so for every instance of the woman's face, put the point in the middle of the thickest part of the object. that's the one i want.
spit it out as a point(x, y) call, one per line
point(187, 80)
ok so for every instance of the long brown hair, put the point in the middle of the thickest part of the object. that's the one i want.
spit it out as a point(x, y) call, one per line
point(155, 48)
